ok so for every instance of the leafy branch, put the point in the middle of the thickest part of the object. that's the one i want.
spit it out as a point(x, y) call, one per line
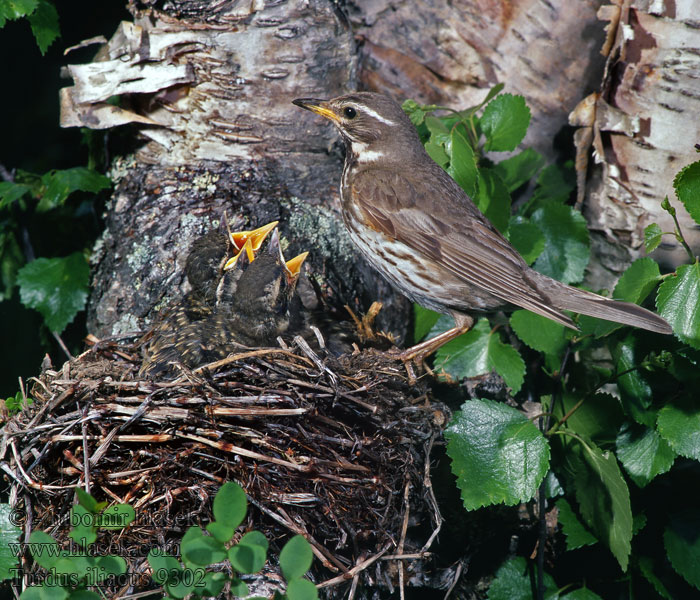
point(600, 445)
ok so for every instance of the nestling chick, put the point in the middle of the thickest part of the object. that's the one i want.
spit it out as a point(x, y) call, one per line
point(249, 302)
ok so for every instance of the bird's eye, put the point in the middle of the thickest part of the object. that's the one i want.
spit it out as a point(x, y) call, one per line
point(349, 112)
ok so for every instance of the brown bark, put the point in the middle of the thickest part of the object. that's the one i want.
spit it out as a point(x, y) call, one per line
point(643, 126)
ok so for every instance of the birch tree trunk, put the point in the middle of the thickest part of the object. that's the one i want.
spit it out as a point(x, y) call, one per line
point(210, 90)
point(643, 125)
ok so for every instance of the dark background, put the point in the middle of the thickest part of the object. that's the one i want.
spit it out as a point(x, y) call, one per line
point(32, 140)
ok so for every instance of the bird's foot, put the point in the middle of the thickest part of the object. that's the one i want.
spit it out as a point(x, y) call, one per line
point(412, 361)
point(416, 355)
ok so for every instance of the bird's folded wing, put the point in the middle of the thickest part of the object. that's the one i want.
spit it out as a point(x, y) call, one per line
point(451, 232)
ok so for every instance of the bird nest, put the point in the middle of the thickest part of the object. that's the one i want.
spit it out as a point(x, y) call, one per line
point(336, 449)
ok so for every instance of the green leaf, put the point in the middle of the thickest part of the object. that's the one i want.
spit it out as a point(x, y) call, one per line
point(250, 554)
point(414, 111)
point(577, 536)
point(163, 566)
point(687, 186)
point(423, 321)
point(505, 122)
point(497, 454)
point(480, 351)
point(51, 591)
point(11, 259)
point(45, 551)
point(646, 567)
point(215, 582)
point(639, 522)
point(76, 565)
point(437, 153)
point(652, 237)
point(56, 287)
point(86, 501)
point(493, 92)
point(83, 522)
point(222, 533)
point(247, 559)
point(201, 550)
point(462, 162)
point(555, 184)
point(492, 199)
point(295, 557)
point(643, 453)
point(539, 333)
point(301, 589)
point(109, 566)
point(567, 247)
point(679, 424)
point(182, 584)
point(603, 497)
point(32, 592)
point(638, 281)
point(44, 23)
point(117, 516)
point(16, 403)
point(635, 391)
point(14, 9)
point(552, 486)
point(11, 192)
point(682, 543)
point(439, 133)
point(513, 582)
point(255, 538)
point(61, 184)
point(526, 237)
point(519, 169)
point(678, 301)
point(9, 535)
point(230, 505)
point(597, 417)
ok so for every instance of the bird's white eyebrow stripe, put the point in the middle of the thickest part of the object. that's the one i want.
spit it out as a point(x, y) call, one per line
point(377, 116)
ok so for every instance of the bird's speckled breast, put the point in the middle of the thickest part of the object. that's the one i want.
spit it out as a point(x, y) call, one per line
point(420, 280)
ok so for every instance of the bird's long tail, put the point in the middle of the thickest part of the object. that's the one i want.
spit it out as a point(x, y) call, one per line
point(564, 297)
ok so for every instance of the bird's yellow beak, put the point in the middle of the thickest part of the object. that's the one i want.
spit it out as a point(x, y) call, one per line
point(256, 236)
point(320, 107)
point(247, 248)
point(294, 265)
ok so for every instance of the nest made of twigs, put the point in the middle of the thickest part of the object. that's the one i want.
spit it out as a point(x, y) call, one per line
point(334, 449)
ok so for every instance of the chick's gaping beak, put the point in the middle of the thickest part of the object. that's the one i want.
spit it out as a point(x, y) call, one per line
point(320, 107)
point(294, 265)
point(256, 236)
point(247, 249)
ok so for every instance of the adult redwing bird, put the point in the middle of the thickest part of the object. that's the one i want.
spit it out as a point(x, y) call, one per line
point(423, 233)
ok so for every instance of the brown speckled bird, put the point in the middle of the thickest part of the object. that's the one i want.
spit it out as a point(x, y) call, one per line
point(237, 301)
point(423, 233)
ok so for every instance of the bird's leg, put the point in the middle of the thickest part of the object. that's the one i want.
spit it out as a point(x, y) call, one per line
point(420, 352)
